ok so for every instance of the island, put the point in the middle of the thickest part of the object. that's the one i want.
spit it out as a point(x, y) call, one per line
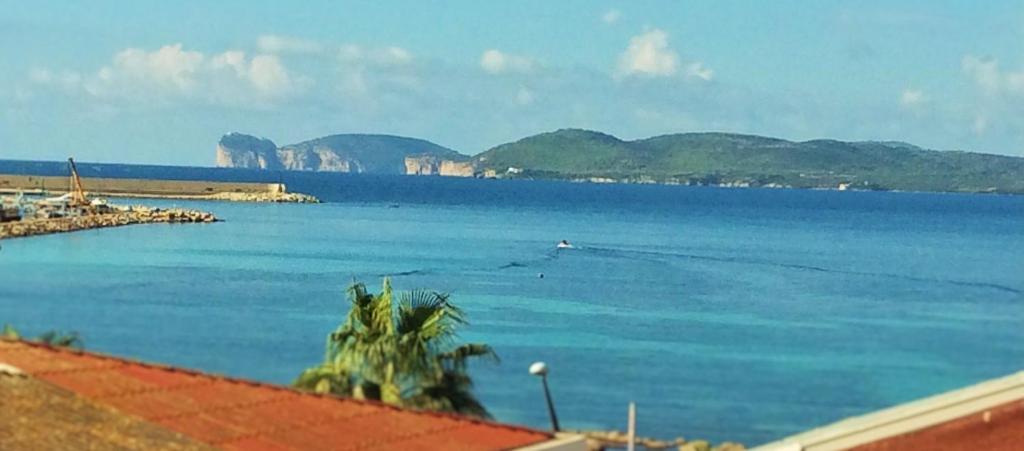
point(704, 159)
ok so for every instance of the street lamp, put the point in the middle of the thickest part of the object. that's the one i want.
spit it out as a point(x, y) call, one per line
point(541, 369)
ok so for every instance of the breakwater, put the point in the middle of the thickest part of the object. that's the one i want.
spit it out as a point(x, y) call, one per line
point(178, 189)
point(137, 215)
point(600, 440)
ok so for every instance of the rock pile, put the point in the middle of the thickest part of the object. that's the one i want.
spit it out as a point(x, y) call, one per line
point(134, 215)
point(600, 440)
point(265, 197)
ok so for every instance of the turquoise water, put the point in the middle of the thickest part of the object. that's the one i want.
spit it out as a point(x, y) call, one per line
point(740, 315)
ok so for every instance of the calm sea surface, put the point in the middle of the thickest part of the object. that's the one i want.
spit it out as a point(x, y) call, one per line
point(726, 314)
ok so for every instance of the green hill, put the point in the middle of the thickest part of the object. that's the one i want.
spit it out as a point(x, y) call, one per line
point(746, 160)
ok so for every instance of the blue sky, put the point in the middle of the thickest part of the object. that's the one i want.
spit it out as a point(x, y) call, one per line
point(160, 82)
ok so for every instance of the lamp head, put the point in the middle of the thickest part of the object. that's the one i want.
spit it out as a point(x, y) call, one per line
point(539, 369)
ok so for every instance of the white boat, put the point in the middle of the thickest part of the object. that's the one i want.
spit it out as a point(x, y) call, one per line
point(59, 200)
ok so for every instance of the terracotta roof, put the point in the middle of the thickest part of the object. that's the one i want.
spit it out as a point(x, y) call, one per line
point(233, 413)
point(988, 415)
point(38, 415)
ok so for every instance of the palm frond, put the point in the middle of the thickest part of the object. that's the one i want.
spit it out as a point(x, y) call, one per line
point(324, 379)
point(468, 350)
point(383, 310)
point(399, 348)
point(451, 393)
point(9, 333)
point(61, 340)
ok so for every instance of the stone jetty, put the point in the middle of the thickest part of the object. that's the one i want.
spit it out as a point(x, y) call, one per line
point(276, 197)
point(128, 216)
point(157, 189)
point(602, 440)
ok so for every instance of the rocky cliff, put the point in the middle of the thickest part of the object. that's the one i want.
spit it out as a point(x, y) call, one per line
point(236, 150)
point(434, 165)
point(380, 154)
point(457, 168)
point(421, 165)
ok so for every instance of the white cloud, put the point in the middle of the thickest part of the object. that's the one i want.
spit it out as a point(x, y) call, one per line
point(911, 98)
point(66, 80)
point(980, 125)
point(375, 76)
point(268, 75)
point(37, 75)
point(398, 55)
point(172, 74)
point(524, 96)
point(989, 77)
point(351, 53)
point(270, 43)
point(999, 108)
point(611, 16)
point(170, 66)
point(496, 62)
point(649, 55)
point(233, 59)
point(697, 69)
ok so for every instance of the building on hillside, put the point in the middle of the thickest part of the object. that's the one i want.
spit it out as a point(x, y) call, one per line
point(54, 398)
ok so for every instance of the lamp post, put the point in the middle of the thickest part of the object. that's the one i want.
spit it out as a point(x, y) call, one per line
point(541, 369)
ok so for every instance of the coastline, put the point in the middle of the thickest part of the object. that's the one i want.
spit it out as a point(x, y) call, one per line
point(296, 198)
point(154, 188)
point(746, 184)
point(135, 215)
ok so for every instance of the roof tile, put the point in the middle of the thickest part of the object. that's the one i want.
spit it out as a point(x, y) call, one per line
point(239, 414)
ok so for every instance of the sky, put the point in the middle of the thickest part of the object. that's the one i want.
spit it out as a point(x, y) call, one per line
point(159, 82)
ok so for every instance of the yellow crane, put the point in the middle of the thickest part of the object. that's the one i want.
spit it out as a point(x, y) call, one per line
point(75, 189)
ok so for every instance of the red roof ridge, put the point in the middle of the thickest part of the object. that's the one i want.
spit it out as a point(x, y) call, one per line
point(269, 386)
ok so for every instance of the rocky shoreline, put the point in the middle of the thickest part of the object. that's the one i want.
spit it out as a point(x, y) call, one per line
point(601, 440)
point(297, 198)
point(260, 197)
point(134, 215)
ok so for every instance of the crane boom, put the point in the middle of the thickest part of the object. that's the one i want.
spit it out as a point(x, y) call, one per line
point(77, 193)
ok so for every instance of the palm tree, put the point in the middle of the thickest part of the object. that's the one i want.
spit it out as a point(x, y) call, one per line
point(9, 332)
point(61, 340)
point(402, 353)
point(49, 338)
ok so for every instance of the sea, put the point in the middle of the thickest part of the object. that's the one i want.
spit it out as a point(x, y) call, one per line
point(723, 313)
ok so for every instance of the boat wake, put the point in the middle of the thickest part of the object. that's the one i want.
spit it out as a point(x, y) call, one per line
point(666, 257)
point(414, 272)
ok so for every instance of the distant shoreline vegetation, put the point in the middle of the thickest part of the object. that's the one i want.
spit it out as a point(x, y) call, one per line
point(694, 159)
point(798, 181)
point(747, 161)
point(700, 159)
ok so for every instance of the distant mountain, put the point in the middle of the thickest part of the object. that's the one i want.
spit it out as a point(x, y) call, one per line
point(382, 154)
point(746, 160)
point(718, 159)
